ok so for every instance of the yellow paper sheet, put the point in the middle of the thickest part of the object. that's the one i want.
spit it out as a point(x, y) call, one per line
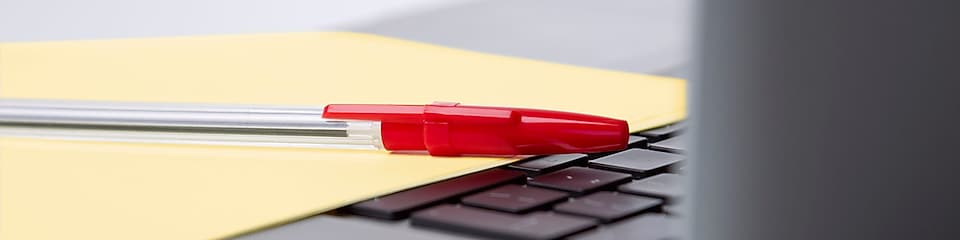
point(53, 189)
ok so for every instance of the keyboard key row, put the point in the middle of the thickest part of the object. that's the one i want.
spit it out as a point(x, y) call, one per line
point(516, 198)
point(538, 225)
point(577, 215)
point(608, 206)
point(539, 165)
point(399, 205)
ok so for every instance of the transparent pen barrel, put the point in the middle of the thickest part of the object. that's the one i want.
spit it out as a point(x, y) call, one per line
point(182, 123)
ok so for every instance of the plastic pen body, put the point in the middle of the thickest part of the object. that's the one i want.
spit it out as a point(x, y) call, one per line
point(447, 129)
point(185, 123)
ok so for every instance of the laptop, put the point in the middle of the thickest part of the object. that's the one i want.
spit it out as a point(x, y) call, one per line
point(632, 194)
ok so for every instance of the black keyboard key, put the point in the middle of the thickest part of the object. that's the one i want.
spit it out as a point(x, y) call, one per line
point(514, 198)
point(637, 142)
point(657, 134)
point(639, 162)
point(549, 163)
point(579, 179)
point(667, 186)
point(676, 144)
point(538, 225)
point(398, 205)
point(608, 206)
point(646, 226)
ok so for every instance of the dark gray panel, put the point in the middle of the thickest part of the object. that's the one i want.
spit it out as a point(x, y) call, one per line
point(826, 119)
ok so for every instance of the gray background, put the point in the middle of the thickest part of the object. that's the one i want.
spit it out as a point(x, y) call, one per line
point(647, 36)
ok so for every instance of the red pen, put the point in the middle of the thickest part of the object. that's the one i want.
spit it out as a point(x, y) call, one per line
point(442, 129)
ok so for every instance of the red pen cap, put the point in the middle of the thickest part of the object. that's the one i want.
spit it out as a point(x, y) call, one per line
point(449, 129)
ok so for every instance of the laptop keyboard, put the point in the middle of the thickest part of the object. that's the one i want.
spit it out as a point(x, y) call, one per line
point(554, 196)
